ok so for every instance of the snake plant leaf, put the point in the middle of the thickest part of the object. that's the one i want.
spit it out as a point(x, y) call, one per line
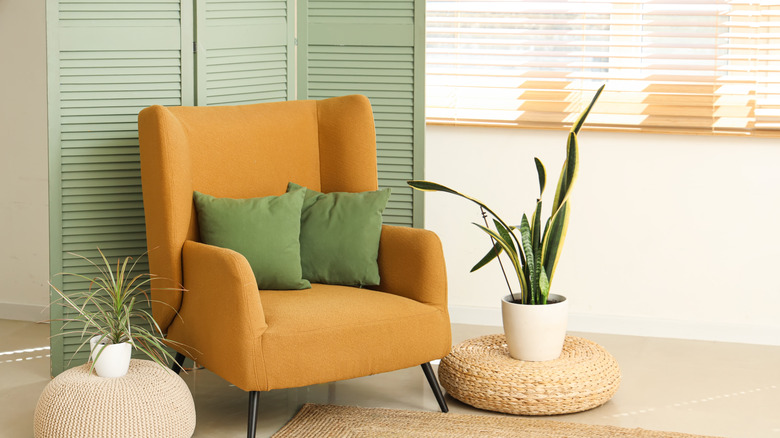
point(568, 172)
point(544, 285)
point(536, 246)
point(521, 252)
point(510, 251)
point(546, 228)
point(506, 246)
point(536, 225)
point(503, 232)
point(570, 166)
point(538, 298)
point(581, 119)
point(525, 232)
point(553, 241)
point(494, 252)
point(428, 186)
point(542, 175)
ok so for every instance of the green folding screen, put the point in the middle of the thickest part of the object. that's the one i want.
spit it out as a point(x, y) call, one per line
point(107, 60)
point(245, 51)
point(374, 48)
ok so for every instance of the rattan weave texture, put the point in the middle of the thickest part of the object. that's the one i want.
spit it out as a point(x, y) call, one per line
point(481, 373)
point(330, 421)
point(150, 401)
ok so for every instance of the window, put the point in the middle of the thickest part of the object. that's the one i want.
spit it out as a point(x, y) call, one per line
point(693, 66)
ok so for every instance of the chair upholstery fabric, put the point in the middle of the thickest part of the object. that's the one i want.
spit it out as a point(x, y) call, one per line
point(261, 340)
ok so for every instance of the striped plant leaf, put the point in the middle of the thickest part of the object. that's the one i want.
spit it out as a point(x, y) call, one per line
point(499, 241)
point(513, 256)
point(568, 172)
point(506, 234)
point(494, 252)
point(428, 186)
point(544, 285)
point(553, 241)
point(536, 225)
point(581, 119)
point(538, 295)
point(542, 175)
point(525, 232)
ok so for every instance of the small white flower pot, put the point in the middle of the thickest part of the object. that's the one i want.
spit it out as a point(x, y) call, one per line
point(114, 359)
point(535, 332)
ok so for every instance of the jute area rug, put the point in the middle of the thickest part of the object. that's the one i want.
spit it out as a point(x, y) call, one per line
point(329, 421)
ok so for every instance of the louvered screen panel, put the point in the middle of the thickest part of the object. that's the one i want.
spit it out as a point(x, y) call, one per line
point(112, 59)
point(371, 48)
point(244, 51)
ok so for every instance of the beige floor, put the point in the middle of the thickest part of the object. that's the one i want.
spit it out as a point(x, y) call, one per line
point(730, 390)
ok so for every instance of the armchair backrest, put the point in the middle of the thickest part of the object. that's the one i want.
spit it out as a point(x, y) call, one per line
point(242, 152)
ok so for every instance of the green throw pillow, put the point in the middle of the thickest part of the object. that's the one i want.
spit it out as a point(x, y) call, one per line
point(264, 230)
point(340, 236)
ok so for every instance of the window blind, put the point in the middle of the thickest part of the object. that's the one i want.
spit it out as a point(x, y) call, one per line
point(696, 66)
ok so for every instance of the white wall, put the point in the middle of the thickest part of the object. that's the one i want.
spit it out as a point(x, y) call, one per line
point(24, 216)
point(671, 236)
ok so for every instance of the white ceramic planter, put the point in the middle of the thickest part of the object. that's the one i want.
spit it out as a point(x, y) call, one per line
point(114, 359)
point(535, 332)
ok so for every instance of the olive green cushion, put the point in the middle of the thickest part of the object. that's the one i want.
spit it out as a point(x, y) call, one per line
point(264, 230)
point(340, 236)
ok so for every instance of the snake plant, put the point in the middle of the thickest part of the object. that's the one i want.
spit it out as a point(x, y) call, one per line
point(533, 251)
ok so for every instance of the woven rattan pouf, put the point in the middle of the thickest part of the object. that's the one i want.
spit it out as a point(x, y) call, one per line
point(481, 373)
point(150, 401)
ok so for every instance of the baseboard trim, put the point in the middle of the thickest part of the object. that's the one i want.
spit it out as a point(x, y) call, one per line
point(23, 312)
point(636, 326)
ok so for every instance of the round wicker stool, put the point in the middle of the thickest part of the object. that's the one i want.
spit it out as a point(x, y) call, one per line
point(149, 401)
point(481, 373)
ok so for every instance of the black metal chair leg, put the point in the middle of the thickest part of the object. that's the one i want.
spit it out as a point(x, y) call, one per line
point(254, 397)
point(177, 363)
point(428, 370)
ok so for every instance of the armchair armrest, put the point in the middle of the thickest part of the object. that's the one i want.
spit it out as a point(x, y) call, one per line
point(223, 314)
point(411, 264)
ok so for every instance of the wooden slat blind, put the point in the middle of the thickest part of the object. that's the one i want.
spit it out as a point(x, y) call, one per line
point(696, 66)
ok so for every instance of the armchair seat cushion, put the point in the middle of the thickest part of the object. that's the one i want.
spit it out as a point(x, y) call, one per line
point(329, 333)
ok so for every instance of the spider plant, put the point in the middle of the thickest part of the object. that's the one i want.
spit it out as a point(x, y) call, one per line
point(112, 308)
point(533, 251)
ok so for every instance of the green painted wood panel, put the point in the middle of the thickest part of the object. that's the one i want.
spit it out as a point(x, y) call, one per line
point(107, 61)
point(244, 51)
point(375, 48)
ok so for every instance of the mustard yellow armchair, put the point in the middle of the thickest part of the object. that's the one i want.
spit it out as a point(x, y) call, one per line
point(260, 340)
